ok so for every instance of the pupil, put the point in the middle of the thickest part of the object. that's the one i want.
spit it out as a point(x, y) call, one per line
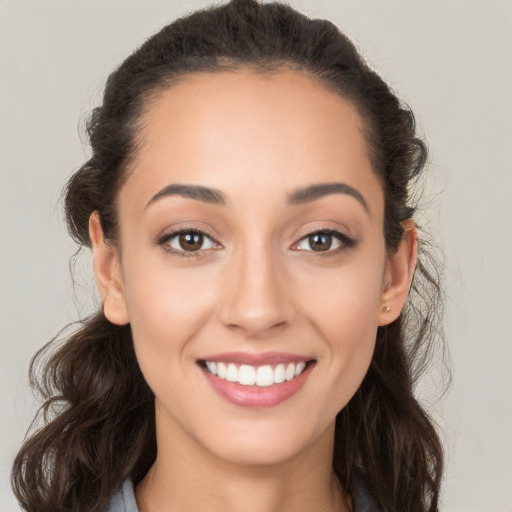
point(191, 241)
point(320, 242)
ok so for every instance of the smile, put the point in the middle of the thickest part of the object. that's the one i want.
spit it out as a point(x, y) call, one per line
point(256, 381)
point(248, 375)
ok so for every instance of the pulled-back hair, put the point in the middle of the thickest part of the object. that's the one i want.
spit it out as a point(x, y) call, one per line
point(99, 412)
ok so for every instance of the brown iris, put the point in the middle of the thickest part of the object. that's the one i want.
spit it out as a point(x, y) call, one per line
point(191, 241)
point(320, 241)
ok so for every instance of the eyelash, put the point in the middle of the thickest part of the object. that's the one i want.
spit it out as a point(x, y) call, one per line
point(345, 241)
point(164, 240)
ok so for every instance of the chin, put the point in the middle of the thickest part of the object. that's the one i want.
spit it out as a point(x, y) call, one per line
point(270, 444)
point(263, 453)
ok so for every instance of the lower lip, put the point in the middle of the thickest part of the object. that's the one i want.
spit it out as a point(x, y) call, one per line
point(257, 396)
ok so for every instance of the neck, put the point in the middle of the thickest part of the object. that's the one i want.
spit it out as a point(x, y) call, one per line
point(187, 477)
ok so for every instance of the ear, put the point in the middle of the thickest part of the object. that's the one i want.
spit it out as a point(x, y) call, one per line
point(107, 270)
point(398, 276)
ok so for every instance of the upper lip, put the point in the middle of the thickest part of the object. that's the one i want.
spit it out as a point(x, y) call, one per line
point(266, 358)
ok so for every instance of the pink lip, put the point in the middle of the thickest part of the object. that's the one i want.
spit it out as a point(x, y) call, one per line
point(257, 396)
point(271, 358)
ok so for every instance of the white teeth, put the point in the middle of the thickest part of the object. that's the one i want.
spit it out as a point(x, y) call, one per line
point(265, 376)
point(299, 368)
point(232, 373)
point(279, 374)
point(290, 371)
point(212, 367)
point(248, 375)
point(221, 370)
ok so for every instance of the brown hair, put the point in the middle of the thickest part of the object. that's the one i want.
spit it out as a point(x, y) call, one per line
point(99, 410)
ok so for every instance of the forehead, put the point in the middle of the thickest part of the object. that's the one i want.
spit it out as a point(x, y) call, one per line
point(261, 132)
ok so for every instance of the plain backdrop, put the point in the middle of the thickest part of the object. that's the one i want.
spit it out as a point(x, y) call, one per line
point(450, 60)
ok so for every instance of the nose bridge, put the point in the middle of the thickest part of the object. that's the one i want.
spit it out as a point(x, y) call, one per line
point(255, 299)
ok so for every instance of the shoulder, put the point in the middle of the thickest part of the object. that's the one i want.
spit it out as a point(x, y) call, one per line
point(123, 500)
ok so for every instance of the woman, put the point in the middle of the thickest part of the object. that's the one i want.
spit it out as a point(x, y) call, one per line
point(247, 204)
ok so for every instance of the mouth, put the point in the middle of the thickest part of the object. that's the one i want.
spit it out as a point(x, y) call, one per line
point(256, 381)
point(252, 375)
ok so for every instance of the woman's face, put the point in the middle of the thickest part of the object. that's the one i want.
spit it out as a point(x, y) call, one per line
point(251, 252)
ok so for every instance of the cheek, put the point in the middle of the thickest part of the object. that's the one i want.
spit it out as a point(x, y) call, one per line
point(344, 309)
point(351, 336)
point(167, 297)
point(346, 299)
point(166, 307)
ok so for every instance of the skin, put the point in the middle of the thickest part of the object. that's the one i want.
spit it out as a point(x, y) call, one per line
point(258, 287)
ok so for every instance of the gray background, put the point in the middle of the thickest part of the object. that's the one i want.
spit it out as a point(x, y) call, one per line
point(450, 60)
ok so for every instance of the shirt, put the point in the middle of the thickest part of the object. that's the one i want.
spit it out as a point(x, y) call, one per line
point(124, 499)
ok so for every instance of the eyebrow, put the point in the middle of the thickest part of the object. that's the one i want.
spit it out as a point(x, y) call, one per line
point(197, 192)
point(299, 196)
point(314, 192)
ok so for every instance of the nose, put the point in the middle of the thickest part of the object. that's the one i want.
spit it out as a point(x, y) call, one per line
point(256, 298)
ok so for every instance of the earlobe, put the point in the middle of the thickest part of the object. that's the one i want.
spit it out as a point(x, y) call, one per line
point(399, 274)
point(107, 271)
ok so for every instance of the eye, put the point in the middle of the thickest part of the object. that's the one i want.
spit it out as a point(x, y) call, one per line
point(325, 241)
point(187, 241)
